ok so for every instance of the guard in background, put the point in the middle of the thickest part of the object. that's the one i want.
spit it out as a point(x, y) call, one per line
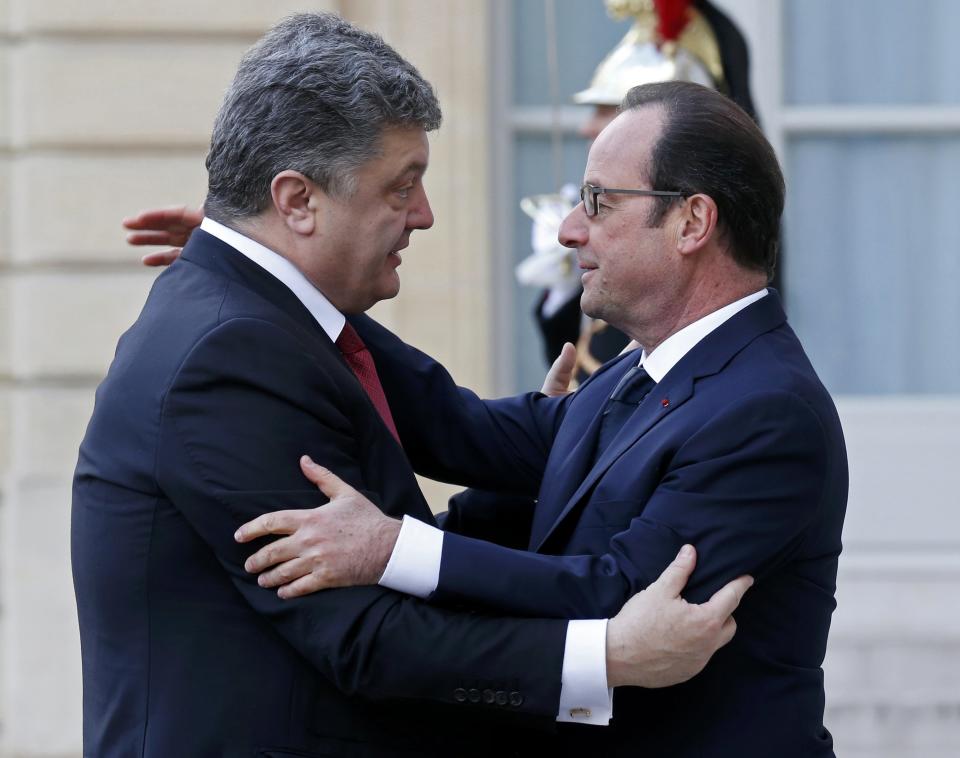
point(687, 40)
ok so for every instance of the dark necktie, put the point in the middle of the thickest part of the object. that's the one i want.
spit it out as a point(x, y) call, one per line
point(360, 361)
point(627, 395)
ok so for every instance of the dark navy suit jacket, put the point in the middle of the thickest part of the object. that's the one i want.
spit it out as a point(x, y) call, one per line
point(738, 450)
point(218, 388)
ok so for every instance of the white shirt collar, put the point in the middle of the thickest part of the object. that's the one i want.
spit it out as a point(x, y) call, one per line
point(329, 318)
point(669, 352)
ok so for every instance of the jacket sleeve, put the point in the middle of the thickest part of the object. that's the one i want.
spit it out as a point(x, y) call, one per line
point(449, 433)
point(744, 489)
point(246, 403)
point(499, 517)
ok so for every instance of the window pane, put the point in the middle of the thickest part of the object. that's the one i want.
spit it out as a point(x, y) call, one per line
point(873, 261)
point(871, 52)
point(585, 33)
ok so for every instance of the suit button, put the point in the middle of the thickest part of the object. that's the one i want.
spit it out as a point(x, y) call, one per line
point(459, 694)
point(488, 697)
point(473, 696)
point(516, 699)
point(501, 697)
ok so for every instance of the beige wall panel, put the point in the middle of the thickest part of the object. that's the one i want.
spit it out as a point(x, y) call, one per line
point(69, 323)
point(6, 440)
point(99, 190)
point(121, 93)
point(48, 424)
point(41, 656)
point(6, 199)
point(464, 92)
point(250, 16)
point(5, 95)
point(6, 329)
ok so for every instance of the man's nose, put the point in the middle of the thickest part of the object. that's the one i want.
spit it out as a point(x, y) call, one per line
point(420, 215)
point(573, 229)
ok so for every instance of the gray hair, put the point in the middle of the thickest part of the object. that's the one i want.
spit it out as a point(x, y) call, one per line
point(313, 95)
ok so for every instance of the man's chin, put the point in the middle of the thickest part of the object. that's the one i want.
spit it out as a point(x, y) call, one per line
point(387, 291)
point(391, 287)
point(589, 306)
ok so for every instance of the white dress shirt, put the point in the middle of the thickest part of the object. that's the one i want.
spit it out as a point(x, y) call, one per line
point(414, 565)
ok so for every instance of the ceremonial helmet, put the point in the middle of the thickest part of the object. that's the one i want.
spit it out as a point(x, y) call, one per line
point(670, 40)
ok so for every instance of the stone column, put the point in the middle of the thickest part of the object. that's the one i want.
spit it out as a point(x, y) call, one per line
point(106, 108)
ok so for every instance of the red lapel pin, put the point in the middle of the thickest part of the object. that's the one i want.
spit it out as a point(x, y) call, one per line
point(665, 402)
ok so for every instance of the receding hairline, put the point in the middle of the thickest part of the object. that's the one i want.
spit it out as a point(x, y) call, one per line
point(660, 112)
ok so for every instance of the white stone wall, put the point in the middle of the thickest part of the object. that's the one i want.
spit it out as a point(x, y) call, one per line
point(893, 664)
point(105, 109)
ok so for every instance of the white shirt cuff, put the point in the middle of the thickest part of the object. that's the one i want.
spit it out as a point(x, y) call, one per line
point(584, 695)
point(414, 565)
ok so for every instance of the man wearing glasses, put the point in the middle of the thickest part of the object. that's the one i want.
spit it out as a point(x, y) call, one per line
point(717, 432)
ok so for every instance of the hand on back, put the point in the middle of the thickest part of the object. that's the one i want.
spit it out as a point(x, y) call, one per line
point(163, 226)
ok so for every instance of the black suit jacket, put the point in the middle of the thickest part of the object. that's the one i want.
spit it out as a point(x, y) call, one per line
point(217, 389)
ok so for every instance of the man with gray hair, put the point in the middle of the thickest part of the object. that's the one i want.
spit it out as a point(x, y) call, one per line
point(241, 361)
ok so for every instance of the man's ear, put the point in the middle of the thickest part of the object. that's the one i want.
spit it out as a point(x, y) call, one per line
point(296, 199)
point(697, 223)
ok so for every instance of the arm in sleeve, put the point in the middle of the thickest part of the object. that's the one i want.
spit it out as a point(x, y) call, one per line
point(743, 489)
point(449, 433)
point(231, 430)
point(414, 568)
point(500, 517)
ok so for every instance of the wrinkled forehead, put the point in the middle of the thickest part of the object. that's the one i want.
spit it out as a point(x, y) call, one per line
point(402, 149)
point(622, 150)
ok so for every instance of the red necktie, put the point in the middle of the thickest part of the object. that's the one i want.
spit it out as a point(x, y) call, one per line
point(358, 358)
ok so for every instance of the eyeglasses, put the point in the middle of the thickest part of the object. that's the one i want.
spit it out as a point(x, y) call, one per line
point(591, 205)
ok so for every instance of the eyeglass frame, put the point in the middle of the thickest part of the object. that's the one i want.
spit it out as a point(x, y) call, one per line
point(594, 192)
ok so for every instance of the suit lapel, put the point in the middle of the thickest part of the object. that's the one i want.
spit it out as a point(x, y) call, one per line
point(706, 358)
point(574, 446)
point(210, 252)
point(665, 398)
point(572, 465)
point(205, 250)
